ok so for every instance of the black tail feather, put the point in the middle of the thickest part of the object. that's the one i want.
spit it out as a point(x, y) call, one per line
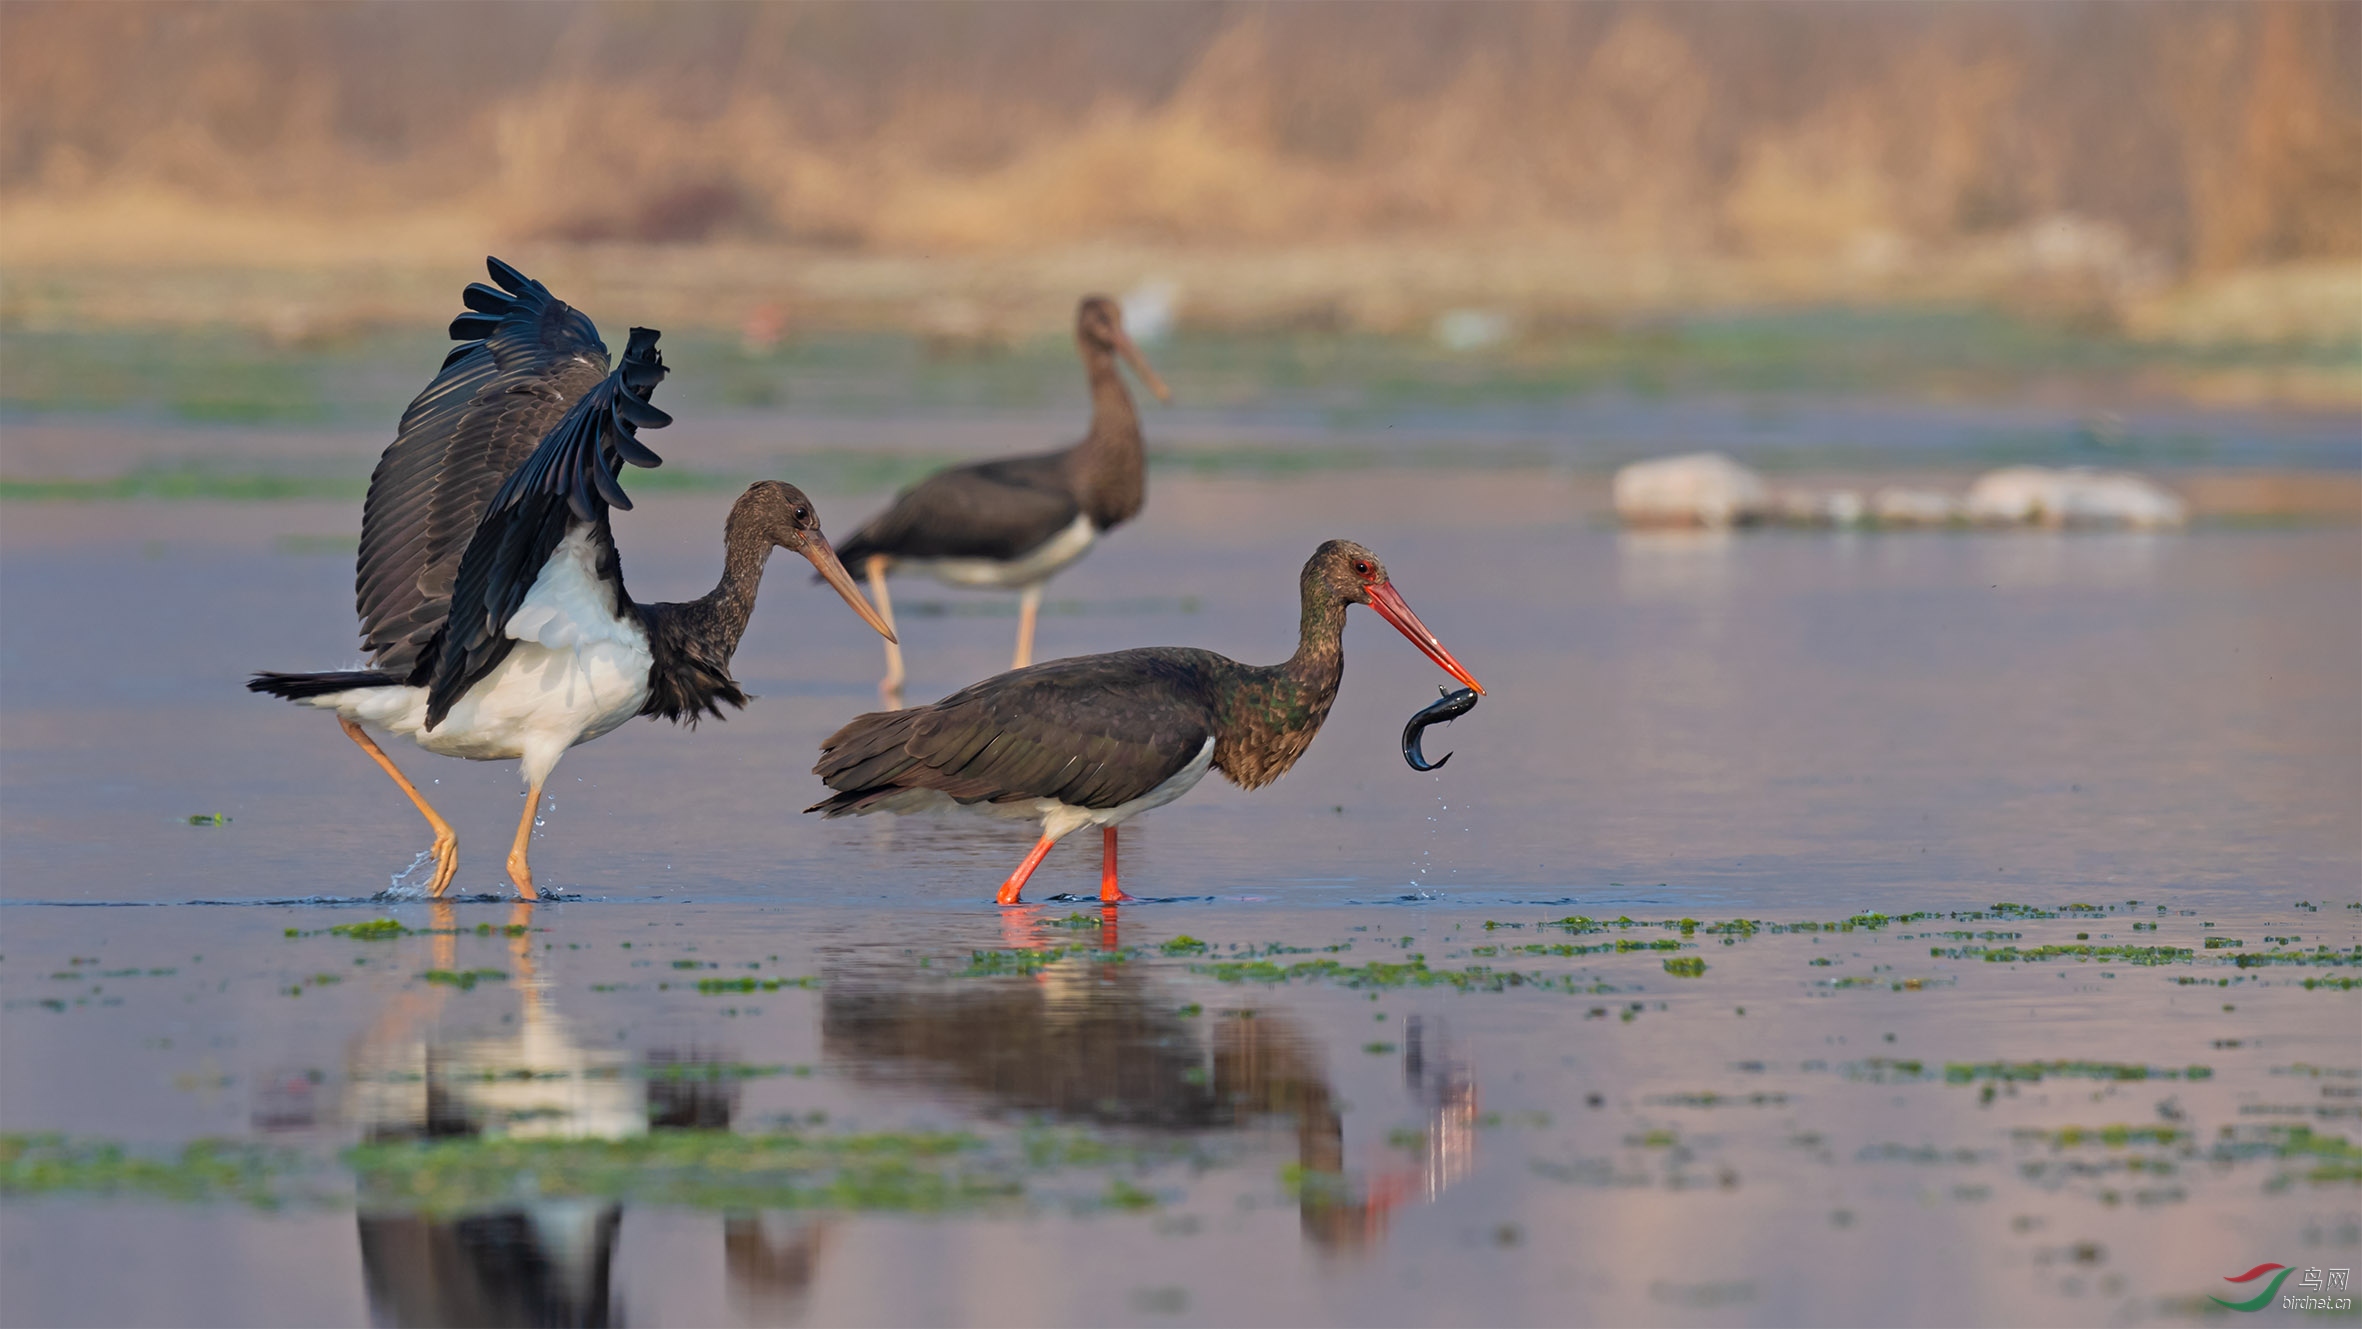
point(297, 687)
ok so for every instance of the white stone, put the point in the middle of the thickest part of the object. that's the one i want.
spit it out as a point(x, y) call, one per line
point(1698, 489)
point(2073, 496)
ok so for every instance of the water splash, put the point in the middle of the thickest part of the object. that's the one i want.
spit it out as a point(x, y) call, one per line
point(399, 887)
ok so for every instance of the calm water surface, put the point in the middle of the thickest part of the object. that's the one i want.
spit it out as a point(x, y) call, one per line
point(1353, 1066)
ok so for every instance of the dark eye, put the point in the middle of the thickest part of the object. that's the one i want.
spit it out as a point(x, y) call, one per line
point(1362, 567)
point(803, 515)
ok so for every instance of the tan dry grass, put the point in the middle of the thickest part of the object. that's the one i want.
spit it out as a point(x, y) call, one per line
point(1357, 164)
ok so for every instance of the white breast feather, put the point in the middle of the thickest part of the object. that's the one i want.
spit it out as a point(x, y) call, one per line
point(569, 606)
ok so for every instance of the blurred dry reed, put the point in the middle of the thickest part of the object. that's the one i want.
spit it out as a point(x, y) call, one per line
point(1359, 164)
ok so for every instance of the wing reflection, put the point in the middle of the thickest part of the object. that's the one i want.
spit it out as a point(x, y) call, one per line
point(1105, 1044)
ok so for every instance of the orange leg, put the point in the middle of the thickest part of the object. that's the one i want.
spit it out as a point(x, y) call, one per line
point(1016, 881)
point(1109, 892)
point(446, 843)
point(520, 871)
point(890, 687)
point(1029, 610)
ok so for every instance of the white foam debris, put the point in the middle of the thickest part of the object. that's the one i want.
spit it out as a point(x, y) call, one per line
point(1150, 310)
point(1812, 507)
point(2073, 496)
point(1896, 505)
point(1471, 329)
point(1697, 489)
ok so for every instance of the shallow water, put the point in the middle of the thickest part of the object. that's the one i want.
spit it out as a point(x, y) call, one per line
point(1911, 1121)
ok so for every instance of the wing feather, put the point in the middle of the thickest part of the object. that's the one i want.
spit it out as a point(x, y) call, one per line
point(1093, 731)
point(569, 479)
point(525, 357)
point(994, 509)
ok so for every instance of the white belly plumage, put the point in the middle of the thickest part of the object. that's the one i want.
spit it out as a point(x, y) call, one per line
point(1035, 566)
point(1058, 820)
point(578, 670)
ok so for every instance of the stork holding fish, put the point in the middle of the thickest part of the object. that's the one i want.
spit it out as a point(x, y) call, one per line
point(1096, 740)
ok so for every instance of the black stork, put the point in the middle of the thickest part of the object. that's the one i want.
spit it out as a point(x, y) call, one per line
point(1096, 740)
point(491, 596)
point(1012, 523)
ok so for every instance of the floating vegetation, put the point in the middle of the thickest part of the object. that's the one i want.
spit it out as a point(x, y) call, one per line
point(209, 819)
point(463, 979)
point(1857, 981)
point(2112, 1137)
point(922, 1172)
point(1968, 1072)
point(2319, 955)
point(1710, 1099)
point(1411, 973)
point(1687, 966)
point(1023, 962)
point(392, 929)
point(1620, 946)
point(712, 986)
point(34, 1165)
point(2077, 951)
point(1897, 1070)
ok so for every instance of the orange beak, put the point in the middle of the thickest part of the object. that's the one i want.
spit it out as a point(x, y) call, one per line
point(1131, 355)
point(824, 558)
point(1389, 604)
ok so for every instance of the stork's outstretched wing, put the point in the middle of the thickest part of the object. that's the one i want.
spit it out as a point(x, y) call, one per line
point(526, 358)
point(570, 478)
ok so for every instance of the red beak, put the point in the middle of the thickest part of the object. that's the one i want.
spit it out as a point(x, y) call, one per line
point(1389, 604)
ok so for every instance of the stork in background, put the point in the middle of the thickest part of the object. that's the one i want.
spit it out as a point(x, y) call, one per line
point(1014, 522)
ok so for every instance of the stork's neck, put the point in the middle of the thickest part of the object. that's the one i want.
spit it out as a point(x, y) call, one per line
point(690, 643)
point(720, 615)
point(1269, 713)
point(1110, 464)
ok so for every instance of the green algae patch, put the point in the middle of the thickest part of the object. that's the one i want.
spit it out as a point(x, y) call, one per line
point(1184, 945)
point(1411, 973)
point(2320, 955)
point(886, 1172)
point(714, 986)
point(1967, 1072)
point(1686, 966)
point(392, 929)
point(2081, 952)
point(1027, 962)
point(2111, 1137)
point(34, 1165)
point(1620, 946)
point(463, 979)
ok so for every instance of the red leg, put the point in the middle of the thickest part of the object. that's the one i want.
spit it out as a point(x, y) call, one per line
point(1016, 881)
point(1109, 892)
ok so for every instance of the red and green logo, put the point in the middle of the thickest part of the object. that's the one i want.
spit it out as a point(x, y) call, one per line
point(2279, 1272)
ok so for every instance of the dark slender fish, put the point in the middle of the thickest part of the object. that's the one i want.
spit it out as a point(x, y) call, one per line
point(1452, 707)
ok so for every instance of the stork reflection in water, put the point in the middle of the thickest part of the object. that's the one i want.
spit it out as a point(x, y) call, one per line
point(1103, 1044)
point(549, 1259)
